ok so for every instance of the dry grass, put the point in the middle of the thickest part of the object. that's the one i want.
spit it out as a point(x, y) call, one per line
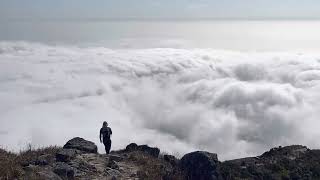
point(33, 154)
point(153, 168)
point(11, 164)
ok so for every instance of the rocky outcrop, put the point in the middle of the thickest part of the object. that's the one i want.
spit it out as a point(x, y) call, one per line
point(82, 145)
point(290, 162)
point(200, 165)
point(153, 151)
point(289, 152)
point(79, 160)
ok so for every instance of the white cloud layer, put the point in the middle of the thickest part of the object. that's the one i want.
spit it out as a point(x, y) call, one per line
point(235, 104)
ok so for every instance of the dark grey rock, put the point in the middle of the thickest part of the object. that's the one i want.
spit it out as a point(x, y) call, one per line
point(25, 163)
point(142, 174)
point(113, 165)
point(289, 162)
point(40, 162)
point(200, 165)
point(132, 147)
point(153, 151)
point(32, 172)
point(65, 155)
point(290, 152)
point(43, 160)
point(46, 157)
point(82, 145)
point(82, 166)
point(48, 175)
point(30, 168)
point(63, 170)
point(113, 172)
point(171, 159)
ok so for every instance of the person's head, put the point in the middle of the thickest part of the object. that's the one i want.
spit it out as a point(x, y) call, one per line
point(105, 124)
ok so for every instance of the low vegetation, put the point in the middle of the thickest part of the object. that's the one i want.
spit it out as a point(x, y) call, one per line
point(154, 168)
point(11, 164)
point(143, 162)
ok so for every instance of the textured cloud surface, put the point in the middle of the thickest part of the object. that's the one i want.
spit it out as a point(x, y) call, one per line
point(235, 104)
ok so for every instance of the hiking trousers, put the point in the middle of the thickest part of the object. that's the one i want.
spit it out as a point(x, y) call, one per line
point(107, 145)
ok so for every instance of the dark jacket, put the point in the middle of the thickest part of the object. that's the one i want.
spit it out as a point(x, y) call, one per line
point(105, 133)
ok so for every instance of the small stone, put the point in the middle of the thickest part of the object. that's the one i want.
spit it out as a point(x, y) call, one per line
point(30, 167)
point(113, 172)
point(113, 165)
point(46, 157)
point(40, 162)
point(25, 163)
point(116, 158)
point(141, 174)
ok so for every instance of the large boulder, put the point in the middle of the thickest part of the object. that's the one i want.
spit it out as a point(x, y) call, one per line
point(153, 151)
point(200, 165)
point(132, 147)
point(82, 145)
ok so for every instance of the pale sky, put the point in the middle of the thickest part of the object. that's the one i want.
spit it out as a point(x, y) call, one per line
point(42, 9)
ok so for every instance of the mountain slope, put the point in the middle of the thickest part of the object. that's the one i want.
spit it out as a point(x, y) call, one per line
point(79, 159)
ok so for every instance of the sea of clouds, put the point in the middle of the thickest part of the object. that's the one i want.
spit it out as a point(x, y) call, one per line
point(233, 103)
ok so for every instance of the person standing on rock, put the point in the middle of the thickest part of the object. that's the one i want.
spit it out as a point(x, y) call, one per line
point(105, 134)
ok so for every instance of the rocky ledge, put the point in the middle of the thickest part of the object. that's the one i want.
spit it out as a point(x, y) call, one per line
point(78, 159)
